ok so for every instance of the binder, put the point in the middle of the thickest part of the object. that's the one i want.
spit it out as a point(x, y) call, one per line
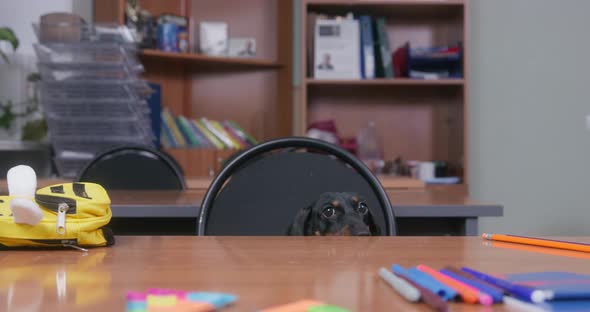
point(367, 48)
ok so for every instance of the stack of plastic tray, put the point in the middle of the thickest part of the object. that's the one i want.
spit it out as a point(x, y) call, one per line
point(91, 93)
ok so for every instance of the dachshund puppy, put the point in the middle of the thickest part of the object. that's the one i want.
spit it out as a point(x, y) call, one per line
point(335, 214)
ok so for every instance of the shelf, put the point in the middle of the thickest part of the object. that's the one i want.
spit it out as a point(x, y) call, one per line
point(201, 59)
point(386, 82)
point(385, 2)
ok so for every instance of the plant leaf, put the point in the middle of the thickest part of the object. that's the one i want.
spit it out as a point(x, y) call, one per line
point(7, 116)
point(6, 34)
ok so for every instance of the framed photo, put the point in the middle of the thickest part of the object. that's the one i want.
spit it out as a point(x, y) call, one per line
point(213, 38)
point(242, 47)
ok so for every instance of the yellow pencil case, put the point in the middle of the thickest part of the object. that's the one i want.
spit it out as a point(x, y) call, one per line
point(74, 215)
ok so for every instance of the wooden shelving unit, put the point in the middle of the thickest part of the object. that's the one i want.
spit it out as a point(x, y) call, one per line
point(385, 82)
point(206, 60)
point(254, 92)
point(416, 119)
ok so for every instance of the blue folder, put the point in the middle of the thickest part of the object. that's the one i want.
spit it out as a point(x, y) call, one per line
point(564, 285)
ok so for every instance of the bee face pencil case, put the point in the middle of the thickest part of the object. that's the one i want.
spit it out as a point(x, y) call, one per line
point(74, 215)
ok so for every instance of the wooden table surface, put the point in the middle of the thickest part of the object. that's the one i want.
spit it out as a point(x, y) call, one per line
point(262, 271)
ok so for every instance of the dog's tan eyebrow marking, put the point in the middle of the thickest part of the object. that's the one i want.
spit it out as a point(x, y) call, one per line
point(355, 199)
point(335, 203)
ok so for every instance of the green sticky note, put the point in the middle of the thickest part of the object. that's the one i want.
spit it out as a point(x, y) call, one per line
point(327, 308)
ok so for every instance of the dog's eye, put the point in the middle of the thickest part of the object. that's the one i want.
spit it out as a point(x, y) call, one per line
point(329, 212)
point(362, 208)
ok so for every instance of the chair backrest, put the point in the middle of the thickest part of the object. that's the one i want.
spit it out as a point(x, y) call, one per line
point(134, 168)
point(259, 191)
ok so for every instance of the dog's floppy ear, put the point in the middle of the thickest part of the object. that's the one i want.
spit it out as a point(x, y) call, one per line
point(301, 224)
point(373, 227)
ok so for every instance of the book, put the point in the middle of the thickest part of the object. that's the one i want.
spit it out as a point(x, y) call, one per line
point(187, 134)
point(241, 132)
point(243, 143)
point(309, 37)
point(428, 75)
point(154, 102)
point(178, 137)
point(210, 136)
point(563, 285)
point(337, 49)
point(235, 143)
point(382, 49)
point(548, 306)
point(227, 143)
point(167, 139)
point(400, 61)
point(203, 140)
point(435, 62)
point(367, 47)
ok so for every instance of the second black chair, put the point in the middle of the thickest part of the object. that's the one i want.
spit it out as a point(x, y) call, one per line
point(260, 191)
point(134, 168)
point(139, 168)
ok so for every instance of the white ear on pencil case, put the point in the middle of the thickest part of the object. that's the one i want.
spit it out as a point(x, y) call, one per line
point(22, 184)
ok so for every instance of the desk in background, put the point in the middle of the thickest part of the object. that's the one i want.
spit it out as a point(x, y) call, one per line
point(420, 212)
point(261, 271)
point(430, 210)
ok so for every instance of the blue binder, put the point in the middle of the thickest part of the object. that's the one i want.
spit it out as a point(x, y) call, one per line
point(367, 48)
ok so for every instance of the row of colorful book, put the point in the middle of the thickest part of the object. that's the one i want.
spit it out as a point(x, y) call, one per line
point(183, 132)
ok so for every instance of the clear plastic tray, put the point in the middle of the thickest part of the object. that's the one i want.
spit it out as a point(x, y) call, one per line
point(96, 129)
point(90, 54)
point(82, 148)
point(89, 73)
point(72, 32)
point(109, 90)
point(94, 108)
point(70, 167)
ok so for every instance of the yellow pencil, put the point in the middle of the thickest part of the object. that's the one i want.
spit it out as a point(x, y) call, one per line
point(538, 242)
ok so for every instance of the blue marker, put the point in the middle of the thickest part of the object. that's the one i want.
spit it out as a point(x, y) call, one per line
point(496, 295)
point(426, 281)
point(522, 292)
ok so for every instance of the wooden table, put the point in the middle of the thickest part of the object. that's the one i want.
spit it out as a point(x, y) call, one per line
point(262, 271)
point(432, 211)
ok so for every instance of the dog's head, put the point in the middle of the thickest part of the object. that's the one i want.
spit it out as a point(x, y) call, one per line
point(344, 214)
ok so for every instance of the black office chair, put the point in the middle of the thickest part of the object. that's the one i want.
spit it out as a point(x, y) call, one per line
point(134, 168)
point(139, 168)
point(259, 191)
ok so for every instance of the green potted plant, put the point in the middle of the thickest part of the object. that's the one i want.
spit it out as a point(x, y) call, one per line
point(33, 130)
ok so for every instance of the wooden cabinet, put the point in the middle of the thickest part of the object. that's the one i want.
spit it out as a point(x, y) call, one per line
point(256, 93)
point(421, 120)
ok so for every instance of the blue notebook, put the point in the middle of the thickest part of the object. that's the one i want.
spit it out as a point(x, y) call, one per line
point(564, 285)
point(553, 306)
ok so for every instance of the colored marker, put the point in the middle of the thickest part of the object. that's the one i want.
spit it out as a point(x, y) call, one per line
point(401, 286)
point(496, 296)
point(426, 281)
point(468, 293)
point(427, 296)
point(523, 292)
point(473, 278)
